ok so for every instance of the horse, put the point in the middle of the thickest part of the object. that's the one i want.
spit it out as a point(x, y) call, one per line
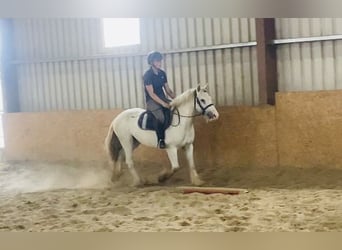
point(124, 134)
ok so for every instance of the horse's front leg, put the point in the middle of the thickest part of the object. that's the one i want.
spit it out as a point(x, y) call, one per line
point(167, 172)
point(189, 151)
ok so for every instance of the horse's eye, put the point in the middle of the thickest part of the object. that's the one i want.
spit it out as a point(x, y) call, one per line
point(202, 100)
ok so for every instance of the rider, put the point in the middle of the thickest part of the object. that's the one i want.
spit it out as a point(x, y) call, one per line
point(155, 82)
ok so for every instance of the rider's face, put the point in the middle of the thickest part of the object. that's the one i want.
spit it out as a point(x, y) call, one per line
point(157, 64)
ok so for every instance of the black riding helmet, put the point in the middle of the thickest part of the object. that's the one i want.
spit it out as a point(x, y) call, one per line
point(154, 56)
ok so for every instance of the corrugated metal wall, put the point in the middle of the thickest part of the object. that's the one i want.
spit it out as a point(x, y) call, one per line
point(310, 65)
point(63, 65)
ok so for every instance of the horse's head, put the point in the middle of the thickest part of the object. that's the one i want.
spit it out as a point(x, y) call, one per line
point(204, 104)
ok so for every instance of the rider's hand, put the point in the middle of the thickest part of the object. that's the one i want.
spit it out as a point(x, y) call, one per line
point(166, 105)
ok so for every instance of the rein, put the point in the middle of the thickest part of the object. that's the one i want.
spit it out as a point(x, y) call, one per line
point(196, 100)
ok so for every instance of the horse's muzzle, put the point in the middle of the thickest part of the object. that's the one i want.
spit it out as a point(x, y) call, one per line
point(212, 116)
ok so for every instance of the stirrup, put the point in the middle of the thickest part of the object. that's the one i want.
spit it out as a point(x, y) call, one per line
point(161, 144)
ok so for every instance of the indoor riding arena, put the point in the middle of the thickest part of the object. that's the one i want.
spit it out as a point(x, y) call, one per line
point(271, 162)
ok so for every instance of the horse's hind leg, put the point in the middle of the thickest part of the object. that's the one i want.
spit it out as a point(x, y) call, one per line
point(128, 147)
point(117, 166)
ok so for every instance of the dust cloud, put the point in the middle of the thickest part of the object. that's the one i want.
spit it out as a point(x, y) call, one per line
point(37, 177)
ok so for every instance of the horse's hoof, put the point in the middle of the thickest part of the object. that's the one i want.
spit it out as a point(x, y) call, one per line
point(137, 185)
point(115, 178)
point(150, 182)
point(165, 176)
point(162, 178)
point(198, 182)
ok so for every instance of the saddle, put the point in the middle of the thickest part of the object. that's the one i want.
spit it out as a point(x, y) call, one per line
point(147, 121)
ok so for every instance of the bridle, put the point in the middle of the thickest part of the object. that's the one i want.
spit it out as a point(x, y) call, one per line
point(196, 101)
point(199, 103)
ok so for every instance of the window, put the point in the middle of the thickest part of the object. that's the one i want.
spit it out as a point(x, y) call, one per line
point(121, 32)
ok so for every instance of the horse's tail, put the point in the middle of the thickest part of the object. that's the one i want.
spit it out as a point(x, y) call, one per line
point(112, 144)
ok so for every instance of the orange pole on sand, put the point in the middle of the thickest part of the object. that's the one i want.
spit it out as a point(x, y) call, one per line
point(211, 190)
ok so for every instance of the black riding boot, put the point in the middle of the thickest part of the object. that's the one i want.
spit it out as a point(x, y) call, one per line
point(161, 135)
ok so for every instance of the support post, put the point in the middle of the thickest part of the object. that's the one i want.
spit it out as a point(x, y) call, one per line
point(267, 60)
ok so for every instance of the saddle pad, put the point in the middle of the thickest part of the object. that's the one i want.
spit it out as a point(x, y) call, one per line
point(146, 121)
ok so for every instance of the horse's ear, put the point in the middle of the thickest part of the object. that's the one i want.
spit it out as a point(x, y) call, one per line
point(205, 86)
point(199, 88)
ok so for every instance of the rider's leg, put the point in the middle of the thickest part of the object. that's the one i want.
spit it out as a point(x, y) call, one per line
point(158, 112)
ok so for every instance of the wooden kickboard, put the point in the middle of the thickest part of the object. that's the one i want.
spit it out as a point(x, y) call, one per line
point(211, 190)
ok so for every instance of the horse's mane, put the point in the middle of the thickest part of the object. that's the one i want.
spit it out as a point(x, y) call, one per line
point(182, 98)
